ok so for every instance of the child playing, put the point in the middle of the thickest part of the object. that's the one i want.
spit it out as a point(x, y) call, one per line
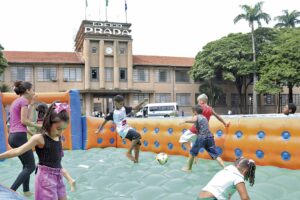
point(123, 129)
point(223, 185)
point(204, 139)
point(48, 146)
point(289, 109)
point(41, 109)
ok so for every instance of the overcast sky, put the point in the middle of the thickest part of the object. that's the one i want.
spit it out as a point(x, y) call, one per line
point(159, 27)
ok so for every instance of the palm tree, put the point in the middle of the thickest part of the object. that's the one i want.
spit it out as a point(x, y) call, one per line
point(288, 19)
point(252, 15)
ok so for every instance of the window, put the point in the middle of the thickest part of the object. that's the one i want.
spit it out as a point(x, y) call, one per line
point(183, 99)
point(269, 99)
point(140, 75)
point(138, 98)
point(162, 97)
point(122, 51)
point(21, 73)
point(72, 74)
point(196, 96)
point(94, 49)
point(250, 99)
point(123, 74)
point(109, 74)
point(94, 73)
point(235, 99)
point(222, 100)
point(46, 73)
point(284, 99)
point(182, 76)
point(162, 75)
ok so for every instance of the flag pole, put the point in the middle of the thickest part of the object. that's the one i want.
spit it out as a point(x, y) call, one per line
point(126, 11)
point(86, 5)
point(106, 3)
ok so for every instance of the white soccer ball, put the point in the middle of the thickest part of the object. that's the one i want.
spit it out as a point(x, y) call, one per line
point(162, 158)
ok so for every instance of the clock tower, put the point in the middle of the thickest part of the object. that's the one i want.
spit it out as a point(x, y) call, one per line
point(106, 48)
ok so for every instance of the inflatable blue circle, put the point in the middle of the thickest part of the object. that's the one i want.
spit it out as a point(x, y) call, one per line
point(112, 129)
point(239, 134)
point(134, 128)
point(170, 146)
point(170, 131)
point(259, 154)
point(201, 150)
point(100, 140)
point(286, 135)
point(124, 141)
point(145, 130)
point(285, 156)
point(219, 150)
point(261, 135)
point(238, 152)
point(219, 133)
point(111, 140)
point(183, 130)
point(145, 143)
point(156, 130)
point(156, 143)
point(183, 147)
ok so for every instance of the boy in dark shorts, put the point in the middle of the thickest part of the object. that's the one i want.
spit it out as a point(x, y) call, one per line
point(205, 140)
point(290, 108)
point(118, 116)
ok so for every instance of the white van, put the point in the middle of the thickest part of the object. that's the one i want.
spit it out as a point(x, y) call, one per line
point(159, 110)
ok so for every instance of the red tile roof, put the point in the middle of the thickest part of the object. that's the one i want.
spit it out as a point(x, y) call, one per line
point(75, 58)
point(43, 57)
point(163, 61)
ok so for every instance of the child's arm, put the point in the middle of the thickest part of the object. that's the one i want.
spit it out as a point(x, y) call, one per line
point(34, 140)
point(29, 132)
point(226, 124)
point(139, 106)
point(101, 126)
point(241, 188)
point(69, 179)
point(193, 120)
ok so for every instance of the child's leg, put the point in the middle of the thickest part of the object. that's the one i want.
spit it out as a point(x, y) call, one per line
point(210, 147)
point(69, 179)
point(186, 139)
point(188, 168)
point(137, 153)
point(220, 161)
point(193, 153)
point(135, 143)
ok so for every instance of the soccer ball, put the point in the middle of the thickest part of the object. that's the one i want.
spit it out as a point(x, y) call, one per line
point(162, 158)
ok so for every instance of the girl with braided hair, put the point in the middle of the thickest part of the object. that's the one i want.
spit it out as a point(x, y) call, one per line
point(223, 185)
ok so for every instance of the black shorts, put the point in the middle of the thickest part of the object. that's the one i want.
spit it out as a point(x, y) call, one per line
point(133, 135)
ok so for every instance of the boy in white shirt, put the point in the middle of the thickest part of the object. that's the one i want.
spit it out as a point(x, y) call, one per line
point(223, 185)
point(118, 116)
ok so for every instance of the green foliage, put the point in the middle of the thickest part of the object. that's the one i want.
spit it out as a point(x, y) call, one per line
point(3, 61)
point(280, 63)
point(288, 19)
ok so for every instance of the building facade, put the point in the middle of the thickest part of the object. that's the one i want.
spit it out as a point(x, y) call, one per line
point(103, 66)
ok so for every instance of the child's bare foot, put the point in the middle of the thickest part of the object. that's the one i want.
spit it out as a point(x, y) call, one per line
point(72, 185)
point(28, 194)
point(186, 169)
point(130, 157)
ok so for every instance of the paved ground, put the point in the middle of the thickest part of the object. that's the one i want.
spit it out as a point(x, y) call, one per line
point(106, 174)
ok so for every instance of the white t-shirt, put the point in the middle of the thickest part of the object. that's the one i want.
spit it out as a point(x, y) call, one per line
point(119, 118)
point(222, 185)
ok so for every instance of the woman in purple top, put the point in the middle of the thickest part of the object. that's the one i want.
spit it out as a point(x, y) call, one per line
point(18, 132)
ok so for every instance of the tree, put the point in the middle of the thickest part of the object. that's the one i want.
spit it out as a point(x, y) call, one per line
point(288, 19)
point(3, 61)
point(4, 88)
point(281, 63)
point(230, 55)
point(252, 15)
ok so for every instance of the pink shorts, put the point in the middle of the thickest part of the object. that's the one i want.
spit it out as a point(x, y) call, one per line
point(49, 184)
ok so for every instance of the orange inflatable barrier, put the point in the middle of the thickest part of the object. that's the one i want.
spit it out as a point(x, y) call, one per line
point(267, 140)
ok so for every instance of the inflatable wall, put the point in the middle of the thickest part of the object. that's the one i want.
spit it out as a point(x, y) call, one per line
point(72, 138)
point(267, 140)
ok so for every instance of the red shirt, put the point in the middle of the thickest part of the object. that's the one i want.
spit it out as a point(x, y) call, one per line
point(207, 112)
